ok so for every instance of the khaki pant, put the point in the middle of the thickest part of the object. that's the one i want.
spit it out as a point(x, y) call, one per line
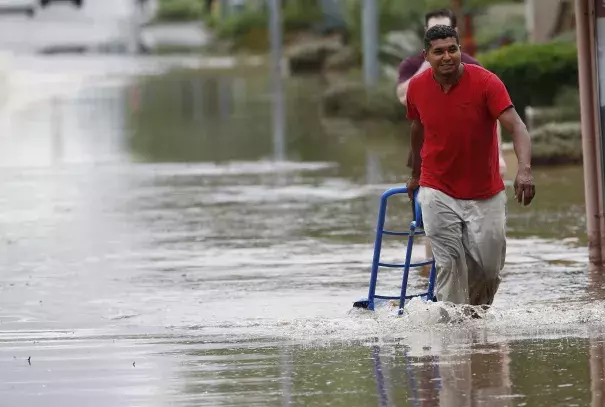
point(468, 241)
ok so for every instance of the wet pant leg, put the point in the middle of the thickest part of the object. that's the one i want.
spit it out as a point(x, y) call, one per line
point(469, 245)
point(484, 239)
point(443, 227)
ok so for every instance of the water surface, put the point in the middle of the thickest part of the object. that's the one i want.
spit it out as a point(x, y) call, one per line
point(161, 246)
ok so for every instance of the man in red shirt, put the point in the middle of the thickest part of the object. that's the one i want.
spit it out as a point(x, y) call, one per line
point(416, 64)
point(454, 108)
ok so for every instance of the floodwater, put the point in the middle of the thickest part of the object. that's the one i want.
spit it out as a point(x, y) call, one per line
point(162, 245)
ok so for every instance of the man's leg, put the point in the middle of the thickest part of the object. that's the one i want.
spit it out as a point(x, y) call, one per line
point(427, 246)
point(484, 237)
point(428, 254)
point(443, 227)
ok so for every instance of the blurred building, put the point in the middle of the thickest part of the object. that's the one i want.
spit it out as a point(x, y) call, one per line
point(548, 18)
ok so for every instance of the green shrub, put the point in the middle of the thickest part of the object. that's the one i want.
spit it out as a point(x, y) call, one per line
point(238, 25)
point(251, 25)
point(565, 108)
point(180, 10)
point(534, 74)
point(568, 97)
point(311, 56)
point(557, 143)
point(352, 100)
point(301, 15)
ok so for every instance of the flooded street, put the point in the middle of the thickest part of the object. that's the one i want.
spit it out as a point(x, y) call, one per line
point(157, 251)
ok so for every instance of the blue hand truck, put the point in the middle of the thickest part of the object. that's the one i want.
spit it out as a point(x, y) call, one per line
point(416, 229)
point(417, 400)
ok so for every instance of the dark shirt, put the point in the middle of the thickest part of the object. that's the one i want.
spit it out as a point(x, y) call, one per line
point(410, 66)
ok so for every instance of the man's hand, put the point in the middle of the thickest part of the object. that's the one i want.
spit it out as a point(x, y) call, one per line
point(524, 182)
point(524, 186)
point(412, 186)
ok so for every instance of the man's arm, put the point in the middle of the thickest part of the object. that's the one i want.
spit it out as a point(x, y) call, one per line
point(502, 163)
point(417, 136)
point(407, 70)
point(402, 90)
point(416, 141)
point(511, 121)
point(501, 108)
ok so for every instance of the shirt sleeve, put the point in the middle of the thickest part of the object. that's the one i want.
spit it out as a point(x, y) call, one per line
point(412, 111)
point(407, 69)
point(498, 99)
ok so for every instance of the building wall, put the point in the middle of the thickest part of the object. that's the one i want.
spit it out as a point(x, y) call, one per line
point(542, 17)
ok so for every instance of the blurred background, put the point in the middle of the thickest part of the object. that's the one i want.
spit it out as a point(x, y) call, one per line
point(188, 209)
point(530, 45)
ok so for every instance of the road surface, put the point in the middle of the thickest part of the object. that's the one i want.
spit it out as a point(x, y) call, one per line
point(99, 26)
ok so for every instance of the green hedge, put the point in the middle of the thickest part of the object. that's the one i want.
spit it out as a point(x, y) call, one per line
point(557, 143)
point(238, 25)
point(180, 10)
point(297, 15)
point(534, 74)
point(352, 100)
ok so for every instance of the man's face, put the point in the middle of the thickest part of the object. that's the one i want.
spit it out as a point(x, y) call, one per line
point(438, 21)
point(444, 56)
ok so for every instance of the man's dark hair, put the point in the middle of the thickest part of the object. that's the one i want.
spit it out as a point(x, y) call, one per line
point(442, 12)
point(439, 32)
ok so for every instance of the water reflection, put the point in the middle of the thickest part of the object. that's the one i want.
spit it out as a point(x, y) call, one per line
point(189, 222)
point(225, 97)
point(65, 130)
point(596, 282)
point(382, 392)
point(57, 132)
point(479, 375)
point(597, 372)
point(481, 372)
point(231, 117)
point(286, 363)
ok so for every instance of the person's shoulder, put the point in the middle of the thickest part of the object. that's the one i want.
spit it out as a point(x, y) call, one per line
point(420, 79)
point(479, 72)
point(467, 59)
point(413, 59)
point(409, 66)
point(483, 78)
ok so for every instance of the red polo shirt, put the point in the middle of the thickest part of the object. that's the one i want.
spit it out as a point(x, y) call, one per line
point(460, 151)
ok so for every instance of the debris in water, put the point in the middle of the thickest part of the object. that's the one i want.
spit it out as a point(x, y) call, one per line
point(29, 360)
point(133, 364)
